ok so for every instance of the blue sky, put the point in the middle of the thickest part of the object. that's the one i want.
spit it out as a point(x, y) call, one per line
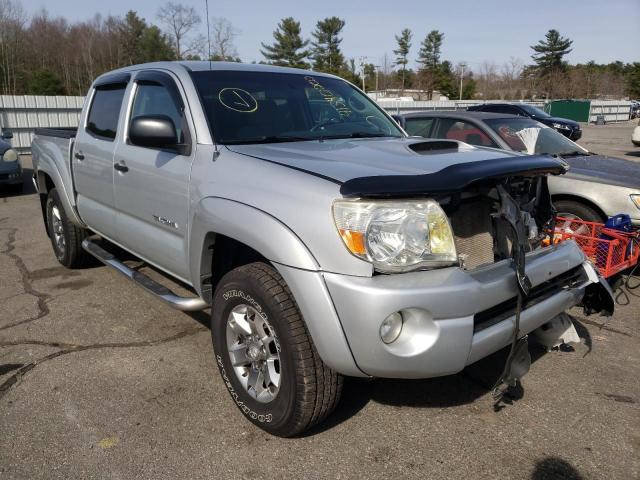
point(491, 30)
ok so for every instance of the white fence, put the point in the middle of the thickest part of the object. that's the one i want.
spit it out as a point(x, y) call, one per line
point(22, 114)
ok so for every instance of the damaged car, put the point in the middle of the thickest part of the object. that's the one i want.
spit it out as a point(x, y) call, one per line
point(326, 242)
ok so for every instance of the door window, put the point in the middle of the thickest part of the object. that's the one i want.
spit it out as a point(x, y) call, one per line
point(453, 129)
point(420, 127)
point(155, 99)
point(105, 110)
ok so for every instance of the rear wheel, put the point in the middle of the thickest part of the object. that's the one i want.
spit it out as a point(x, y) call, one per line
point(66, 238)
point(266, 356)
point(576, 210)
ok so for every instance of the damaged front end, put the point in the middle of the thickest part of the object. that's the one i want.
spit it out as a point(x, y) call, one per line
point(499, 210)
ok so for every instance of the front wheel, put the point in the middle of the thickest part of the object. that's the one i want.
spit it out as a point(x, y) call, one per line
point(266, 356)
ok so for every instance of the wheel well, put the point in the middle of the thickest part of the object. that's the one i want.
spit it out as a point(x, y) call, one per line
point(220, 255)
point(583, 201)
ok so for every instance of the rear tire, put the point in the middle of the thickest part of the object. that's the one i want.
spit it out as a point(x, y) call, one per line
point(66, 238)
point(296, 389)
point(577, 210)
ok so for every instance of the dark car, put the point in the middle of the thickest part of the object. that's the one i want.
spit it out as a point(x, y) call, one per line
point(595, 187)
point(568, 128)
point(10, 169)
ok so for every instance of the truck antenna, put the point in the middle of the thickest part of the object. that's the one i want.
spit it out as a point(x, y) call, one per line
point(206, 5)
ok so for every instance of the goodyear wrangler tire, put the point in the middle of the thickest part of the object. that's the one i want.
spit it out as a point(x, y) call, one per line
point(265, 354)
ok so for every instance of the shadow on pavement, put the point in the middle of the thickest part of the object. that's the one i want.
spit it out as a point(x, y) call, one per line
point(555, 468)
point(462, 388)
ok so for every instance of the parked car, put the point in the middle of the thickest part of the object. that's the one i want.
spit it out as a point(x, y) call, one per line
point(635, 110)
point(568, 128)
point(635, 136)
point(326, 242)
point(10, 169)
point(595, 187)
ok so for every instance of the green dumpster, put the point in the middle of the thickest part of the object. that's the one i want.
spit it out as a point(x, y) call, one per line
point(577, 110)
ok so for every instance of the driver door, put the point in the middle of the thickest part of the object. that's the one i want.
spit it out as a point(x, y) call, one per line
point(152, 187)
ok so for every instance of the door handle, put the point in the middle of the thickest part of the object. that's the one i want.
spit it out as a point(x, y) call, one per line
point(79, 156)
point(121, 166)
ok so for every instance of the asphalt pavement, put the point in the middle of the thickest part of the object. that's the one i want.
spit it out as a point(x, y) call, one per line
point(100, 380)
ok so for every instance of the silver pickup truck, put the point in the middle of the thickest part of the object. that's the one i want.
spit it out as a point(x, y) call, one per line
point(325, 240)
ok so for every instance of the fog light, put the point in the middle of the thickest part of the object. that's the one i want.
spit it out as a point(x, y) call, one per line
point(391, 327)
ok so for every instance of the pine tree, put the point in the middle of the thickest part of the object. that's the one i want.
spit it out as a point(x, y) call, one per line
point(287, 50)
point(326, 53)
point(429, 54)
point(550, 52)
point(404, 45)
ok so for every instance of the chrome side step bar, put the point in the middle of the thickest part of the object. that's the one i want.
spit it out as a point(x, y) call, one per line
point(160, 291)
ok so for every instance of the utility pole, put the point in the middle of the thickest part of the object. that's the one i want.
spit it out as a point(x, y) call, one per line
point(462, 65)
point(377, 67)
point(362, 64)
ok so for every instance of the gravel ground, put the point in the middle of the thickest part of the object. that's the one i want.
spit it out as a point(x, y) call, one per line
point(613, 139)
point(99, 380)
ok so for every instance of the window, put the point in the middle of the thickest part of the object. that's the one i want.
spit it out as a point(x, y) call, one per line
point(246, 107)
point(420, 127)
point(105, 110)
point(155, 99)
point(453, 129)
point(528, 136)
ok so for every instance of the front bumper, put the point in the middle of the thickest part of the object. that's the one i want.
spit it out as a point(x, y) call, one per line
point(448, 312)
point(575, 135)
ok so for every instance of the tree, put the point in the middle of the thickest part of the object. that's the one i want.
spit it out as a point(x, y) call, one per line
point(326, 53)
point(179, 21)
point(633, 80)
point(404, 45)
point(551, 51)
point(222, 35)
point(131, 31)
point(287, 50)
point(429, 54)
point(45, 82)
point(155, 46)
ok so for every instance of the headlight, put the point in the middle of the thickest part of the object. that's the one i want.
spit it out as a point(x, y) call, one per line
point(635, 198)
point(561, 126)
point(396, 236)
point(10, 155)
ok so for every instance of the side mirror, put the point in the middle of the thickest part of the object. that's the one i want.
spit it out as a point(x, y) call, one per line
point(154, 131)
point(6, 135)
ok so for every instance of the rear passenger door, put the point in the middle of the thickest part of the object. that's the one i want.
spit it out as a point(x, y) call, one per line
point(152, 191)
point(92, 157)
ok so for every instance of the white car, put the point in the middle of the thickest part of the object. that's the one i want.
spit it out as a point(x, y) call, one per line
point(635, 136)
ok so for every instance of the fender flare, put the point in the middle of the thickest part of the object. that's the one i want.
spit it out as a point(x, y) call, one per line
point(247, 224)
point(52, 171)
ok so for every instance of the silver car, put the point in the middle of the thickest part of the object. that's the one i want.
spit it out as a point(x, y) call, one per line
point(595, 187)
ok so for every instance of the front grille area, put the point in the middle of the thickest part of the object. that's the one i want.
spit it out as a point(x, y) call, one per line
point(471, 224)
point(504, 310)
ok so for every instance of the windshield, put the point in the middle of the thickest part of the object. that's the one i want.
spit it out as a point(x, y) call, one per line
point(259, 107)
point(535, 111)
point(528, 136)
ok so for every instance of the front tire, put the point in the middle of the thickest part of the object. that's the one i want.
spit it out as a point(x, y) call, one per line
point(66, 238)
point(265, 354)
point(577, 210)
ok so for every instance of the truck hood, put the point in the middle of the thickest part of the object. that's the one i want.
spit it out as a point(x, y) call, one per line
point(347, 159)
point(602, 169)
